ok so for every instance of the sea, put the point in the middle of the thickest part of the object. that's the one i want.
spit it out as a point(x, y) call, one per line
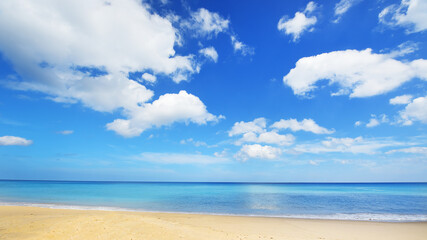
point(388, 202)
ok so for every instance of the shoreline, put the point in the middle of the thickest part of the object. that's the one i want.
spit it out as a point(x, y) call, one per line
point(19, 222)
point(214, 182)
point(358, 217)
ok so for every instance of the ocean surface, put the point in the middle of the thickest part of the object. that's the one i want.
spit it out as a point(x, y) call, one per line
point(401, 202)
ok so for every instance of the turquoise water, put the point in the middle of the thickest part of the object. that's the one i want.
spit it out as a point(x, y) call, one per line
point(357, 201)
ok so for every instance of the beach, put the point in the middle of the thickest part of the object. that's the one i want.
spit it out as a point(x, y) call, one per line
point(18, 222)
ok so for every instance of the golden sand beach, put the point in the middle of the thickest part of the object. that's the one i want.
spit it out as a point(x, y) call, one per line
point(44, 223)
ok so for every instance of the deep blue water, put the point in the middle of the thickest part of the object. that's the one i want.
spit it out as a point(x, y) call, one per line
point(359, 201)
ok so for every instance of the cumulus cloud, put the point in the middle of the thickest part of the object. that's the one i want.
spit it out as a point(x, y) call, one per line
point(342, 7)
point(414, 150)
point(403, 99)
point(14, 141)
point(72, 59)
point(375, 121)
point(255, 132)
point(240, 47)
point(271, 137)
point(179, 158)
point(414, 111)
point(358, 145)
point(169, 108)
point(275, 138)
point(67, 35)
point(301, 22)
point(256, 126)
point(357, 73)
point(308, 125)
point(149, 77)
point(210, 53)
point(206, 23)
point(257, 151)
point(410, 14)
point(209, 24)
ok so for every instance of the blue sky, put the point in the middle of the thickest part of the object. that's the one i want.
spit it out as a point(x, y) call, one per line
point(213, 90)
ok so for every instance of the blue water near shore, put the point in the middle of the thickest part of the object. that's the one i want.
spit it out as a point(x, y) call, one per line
point(353, 201)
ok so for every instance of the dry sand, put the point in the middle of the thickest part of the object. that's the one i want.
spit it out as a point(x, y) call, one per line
point(44, 223)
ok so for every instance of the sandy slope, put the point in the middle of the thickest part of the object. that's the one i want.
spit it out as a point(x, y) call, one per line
point(42, 223)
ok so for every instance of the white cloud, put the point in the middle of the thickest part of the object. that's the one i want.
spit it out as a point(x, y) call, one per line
point(357, 123)
point(72, 58)
point(14, 141)
point(255, 132)
point(415, 150)
point(66, 132)
point(67, 35)
point(103, 93)
point(404, 49)
point(240, 47)
point(149, 77)
point(414, 111)
point(411, 14)
point(256, 126)
point(300, 23)
point(375, 121)
point(342, 7)
point(341, 141)
point(267, 137)
point(358, 73)
point(169, 108)
point(194, 142)
point(275, 138)
point(311, 6)
point(356, 145)
point(210, 52)
point(207, 23)
point(308, 125)
point(180, 158)
point(403, 99)
point(221, 154)
point(257, 151)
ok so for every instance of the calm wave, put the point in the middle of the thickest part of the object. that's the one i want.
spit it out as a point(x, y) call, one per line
point(353, 201)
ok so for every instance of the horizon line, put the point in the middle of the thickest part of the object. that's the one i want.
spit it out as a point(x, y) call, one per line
point(235, 182)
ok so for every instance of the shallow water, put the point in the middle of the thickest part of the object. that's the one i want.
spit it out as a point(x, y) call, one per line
point(356, 201)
